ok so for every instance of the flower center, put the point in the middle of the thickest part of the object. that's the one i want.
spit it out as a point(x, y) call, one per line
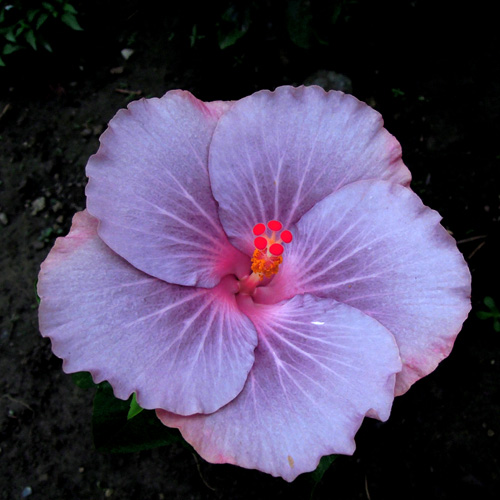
point(267, 255)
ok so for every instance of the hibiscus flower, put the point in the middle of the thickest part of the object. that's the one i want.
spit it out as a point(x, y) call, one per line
point(259, 272)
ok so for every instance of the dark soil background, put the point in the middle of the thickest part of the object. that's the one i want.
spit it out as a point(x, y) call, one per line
point(432, 70)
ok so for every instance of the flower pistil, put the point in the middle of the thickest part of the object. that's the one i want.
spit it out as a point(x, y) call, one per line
point(267, 255)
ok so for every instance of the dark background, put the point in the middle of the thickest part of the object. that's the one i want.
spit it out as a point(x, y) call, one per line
point(430, 68)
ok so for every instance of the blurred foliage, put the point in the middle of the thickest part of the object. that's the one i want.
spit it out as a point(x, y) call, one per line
point(493, 313)
point(307, 23)
point(30, 23)
point(225, 23)
point(35, 24)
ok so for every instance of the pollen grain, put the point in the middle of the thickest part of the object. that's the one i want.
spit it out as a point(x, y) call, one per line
point(264, 265)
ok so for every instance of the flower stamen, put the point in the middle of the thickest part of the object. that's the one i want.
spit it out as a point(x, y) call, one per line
point(260, 242)
point(267, 255)
point(264, 264)
point(259, 229)
point(274, 225)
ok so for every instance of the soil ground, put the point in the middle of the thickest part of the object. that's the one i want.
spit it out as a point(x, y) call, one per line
point(429, 68)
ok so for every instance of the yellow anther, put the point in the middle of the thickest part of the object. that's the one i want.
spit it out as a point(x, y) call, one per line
point(264, 264)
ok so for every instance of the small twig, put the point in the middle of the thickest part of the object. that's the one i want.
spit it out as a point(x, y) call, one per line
point(18, 401)
point(201, 475)
point(4, 110)
point(481, 245)
point(473, 238)
point(366, 488)
point(129, 92)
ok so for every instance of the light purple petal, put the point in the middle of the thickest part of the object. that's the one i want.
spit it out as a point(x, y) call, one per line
point(375, 246)
point(179, 348)
point(274, 155)
point(320, 366)
point(150, 190)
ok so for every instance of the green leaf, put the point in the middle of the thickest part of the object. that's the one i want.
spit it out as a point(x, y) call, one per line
point(41, 19)
point(113, 433)
point(397, 93)
point(48, 6)
point(31, 14)
point(30, 38)
point(484, 315)
point(496, 325)
point(300, 23)
point(69, 8)
point(234, 24)
point(490, 303)
point(9, 49)
point(11, 37)
point(309, 482)
point(323, 466)
point(46, 46)
point(337, 9)
point(134, 409)
point(71, 21)
point(194, 37)
point(229, 38)
point(1, 62)
point(83, 380)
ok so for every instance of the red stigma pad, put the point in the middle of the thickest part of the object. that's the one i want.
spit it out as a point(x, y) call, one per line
point(258, 229)
point(286, 236)
point(276, 249)
point(274, 225)
point(260, 242)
